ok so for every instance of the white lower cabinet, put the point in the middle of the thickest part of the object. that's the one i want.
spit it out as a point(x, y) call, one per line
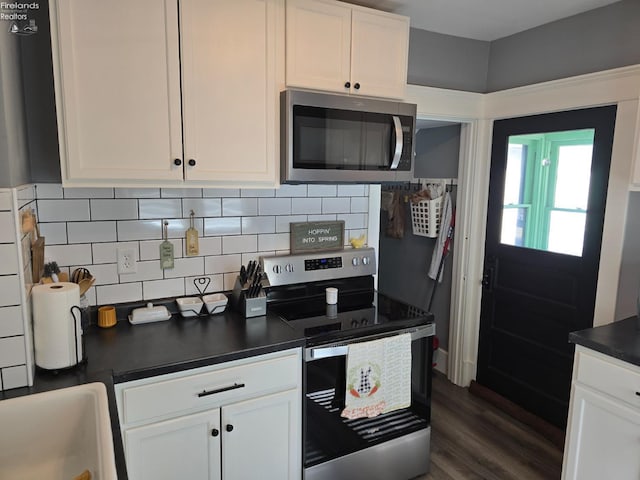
point(241, 425)
point(603, 432)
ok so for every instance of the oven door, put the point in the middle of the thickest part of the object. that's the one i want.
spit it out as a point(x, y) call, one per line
point(388, 446)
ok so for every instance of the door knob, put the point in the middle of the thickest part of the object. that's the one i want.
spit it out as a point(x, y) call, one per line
point(229, 428)
point(356, 86)
point(215, 432)
point(177, 162)
point(192, 163)
point(347, 85)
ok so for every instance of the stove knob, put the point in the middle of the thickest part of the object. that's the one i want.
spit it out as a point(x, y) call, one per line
point(355, 261)
point(364, 321)
point(277, 269)
point(289, 267)
point(354, 323)
point(365, 260)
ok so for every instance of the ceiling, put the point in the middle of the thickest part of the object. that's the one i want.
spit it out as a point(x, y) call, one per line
point(483, 19)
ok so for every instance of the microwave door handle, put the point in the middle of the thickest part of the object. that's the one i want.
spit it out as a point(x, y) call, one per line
point(395, 161)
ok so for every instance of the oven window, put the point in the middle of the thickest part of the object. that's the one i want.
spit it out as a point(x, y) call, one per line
point(341, 139)
point(328, 435)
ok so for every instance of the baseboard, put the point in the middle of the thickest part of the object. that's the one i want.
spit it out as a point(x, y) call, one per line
point(441, 357)
point(554, 434)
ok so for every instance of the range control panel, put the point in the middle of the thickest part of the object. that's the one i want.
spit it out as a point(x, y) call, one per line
point(311, 267)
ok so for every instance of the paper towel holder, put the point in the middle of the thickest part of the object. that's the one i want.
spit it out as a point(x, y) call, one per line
point(77, 325)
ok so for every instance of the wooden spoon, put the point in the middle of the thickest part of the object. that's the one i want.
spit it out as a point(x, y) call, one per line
point(85, 284)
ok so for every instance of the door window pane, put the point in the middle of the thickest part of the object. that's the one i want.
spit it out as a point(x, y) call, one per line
point(513, 221)
point(566, 232)
point(514, 183)
point(574, 173)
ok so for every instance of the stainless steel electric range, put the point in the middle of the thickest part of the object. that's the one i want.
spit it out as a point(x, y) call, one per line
point(390, 446)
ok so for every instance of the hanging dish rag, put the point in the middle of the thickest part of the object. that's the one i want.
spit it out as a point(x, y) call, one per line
point(378, 377)
point(439, 249)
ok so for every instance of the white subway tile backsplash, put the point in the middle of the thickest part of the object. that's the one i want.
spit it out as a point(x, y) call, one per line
point(186, 267)
point(258, 225)
point(222, 264)
point(274, 206)
point(137, 193)
point(202, 207)
point(239, 244)
point(336, 205)
point(181, 193)
point(249, 257)
point(321, 218)
point(54, 233)
point(160, 208)
point(124, 292)
point(12, 351)
point(222, 226)
point(7, 228)
point(276, 241)
point(139, 230)
point(306, 206)
point(63, 210)
point(210, 246)
point(14, 377)
point(48, 190)
point(150, 250)
point(283, 221)
point(230, 280)
point(8, 259)
point(258, 192)
point(88, 232)
point(351, 190)
point(292, 191)
point(145, 270)
point(354, 220)
point(221, 192)
point(25, 195)
point(178, 227)
point(105, 274)
point(114, 209)
point(11, 321)
point(359, 204)
point(108, 252)
point(322, 190)
point(216, 284)
point(88, 193)
point(66, 255)
point(153, 289)
point(234, 207)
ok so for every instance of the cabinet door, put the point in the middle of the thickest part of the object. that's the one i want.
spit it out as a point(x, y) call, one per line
point(184, 447)
point(232, 54)
point(379, 54)
point(318, 45)
point(264, 440)
point(603, 439)
point(117, 76)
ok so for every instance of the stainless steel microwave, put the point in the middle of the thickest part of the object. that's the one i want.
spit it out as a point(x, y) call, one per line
point(331, 138)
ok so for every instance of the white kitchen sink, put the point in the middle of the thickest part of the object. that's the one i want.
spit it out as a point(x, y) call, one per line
point(57, 435)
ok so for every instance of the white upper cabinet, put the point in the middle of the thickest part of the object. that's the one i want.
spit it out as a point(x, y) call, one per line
point(345, 48)
point(117, 77)
point(230, 89)
point(124, 116)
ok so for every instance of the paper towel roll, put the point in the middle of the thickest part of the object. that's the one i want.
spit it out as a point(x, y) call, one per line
point(55, 329)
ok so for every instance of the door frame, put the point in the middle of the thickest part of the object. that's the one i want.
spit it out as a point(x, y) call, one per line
point(476, 113)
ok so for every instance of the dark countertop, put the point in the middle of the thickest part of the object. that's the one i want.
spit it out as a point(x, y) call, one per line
point(618, 339)
point(129, 352)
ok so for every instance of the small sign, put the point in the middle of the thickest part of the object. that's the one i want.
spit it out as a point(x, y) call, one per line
point(316, 236)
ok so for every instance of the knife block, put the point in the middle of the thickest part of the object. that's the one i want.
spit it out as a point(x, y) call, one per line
point(248, 307)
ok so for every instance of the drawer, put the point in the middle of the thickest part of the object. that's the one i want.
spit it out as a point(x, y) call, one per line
point(609, 375)
point(166, 397)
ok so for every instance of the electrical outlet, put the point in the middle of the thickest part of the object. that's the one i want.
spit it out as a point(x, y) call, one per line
point(127, 261)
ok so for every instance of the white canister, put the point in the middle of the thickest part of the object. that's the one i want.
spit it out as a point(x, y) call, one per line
point(57, 331)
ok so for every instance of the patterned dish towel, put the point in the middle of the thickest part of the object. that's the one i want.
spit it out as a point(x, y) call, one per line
point(378, 377)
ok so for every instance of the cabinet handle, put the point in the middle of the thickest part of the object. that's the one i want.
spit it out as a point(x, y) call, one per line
point(215, 432)
point(205, 393)
point(638, 394)
point(356, 86)
point(192, 163)
point(347, 85)
point(229, 428)
point(177, 162)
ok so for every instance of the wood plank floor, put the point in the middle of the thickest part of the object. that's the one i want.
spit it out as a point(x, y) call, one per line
point(472, 439)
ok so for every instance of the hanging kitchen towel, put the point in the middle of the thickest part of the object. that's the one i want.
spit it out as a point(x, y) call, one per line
point(438, 250)
point(378, 377)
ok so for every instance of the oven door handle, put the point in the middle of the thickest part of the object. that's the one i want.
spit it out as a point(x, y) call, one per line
point(341, 349)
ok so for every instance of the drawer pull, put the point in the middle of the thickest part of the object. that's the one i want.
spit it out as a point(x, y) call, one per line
point(205, 393)
point(638, 394)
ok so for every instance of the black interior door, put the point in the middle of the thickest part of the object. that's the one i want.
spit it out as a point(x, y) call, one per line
point(542, 250)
